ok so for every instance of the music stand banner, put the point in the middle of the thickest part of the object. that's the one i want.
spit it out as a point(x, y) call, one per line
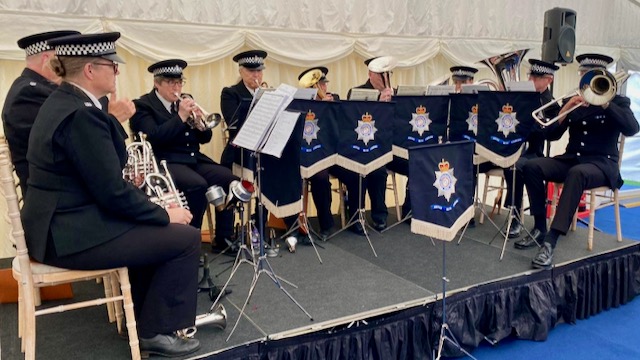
point(280, 179)
point(442, 190)
point(319, 135)
point(365, 135)
point(463, 117)
point(504, 123)
point(418, 120)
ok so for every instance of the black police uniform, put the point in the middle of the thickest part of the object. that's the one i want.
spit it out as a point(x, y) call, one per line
point(178, 144)
point(27, 93)
point(79, 213)
point(534, 149)
point(229, 101)
point(590, 159)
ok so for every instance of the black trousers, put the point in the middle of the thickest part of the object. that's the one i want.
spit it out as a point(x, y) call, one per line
point(321, 193)
point(375, 183)
point(401, 166)
point(518, 190)
point(194, 180)
point(577, 178)
point(163, 269)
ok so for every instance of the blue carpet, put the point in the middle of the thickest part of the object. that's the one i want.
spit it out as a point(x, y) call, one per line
point(612, 334)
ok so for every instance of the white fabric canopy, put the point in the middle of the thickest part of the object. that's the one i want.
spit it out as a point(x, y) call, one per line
point(426, 36)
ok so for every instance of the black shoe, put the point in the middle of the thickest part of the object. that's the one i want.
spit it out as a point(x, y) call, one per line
point(168, 345)
point(535, 239)
point(226, 246)
point(472, 224)
point(324, 234)
point(515, 230)
point(544, 257)
point(379, 226)
point(356, 228)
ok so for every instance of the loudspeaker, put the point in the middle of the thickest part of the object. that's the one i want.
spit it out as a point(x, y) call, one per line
point(559, 37)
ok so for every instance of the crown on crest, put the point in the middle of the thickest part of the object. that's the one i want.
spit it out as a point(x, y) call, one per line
point(474, 109)
point(421, 110)
point(310, 116)
point(443, 165)
point(366, 117)
point(507, 108)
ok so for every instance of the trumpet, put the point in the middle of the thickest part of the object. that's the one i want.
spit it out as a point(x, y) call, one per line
point(597, 87)
point(142, 170)
point(203, 122)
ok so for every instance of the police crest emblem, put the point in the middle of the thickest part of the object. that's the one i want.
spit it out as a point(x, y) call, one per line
point(366, 128)
point(311, 128)
point(420, 120)
point(445, 180)
point(472, 120)
point(507, 120)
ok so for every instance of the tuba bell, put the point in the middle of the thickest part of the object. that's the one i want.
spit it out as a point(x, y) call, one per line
point(505, 67)
point(597, 87)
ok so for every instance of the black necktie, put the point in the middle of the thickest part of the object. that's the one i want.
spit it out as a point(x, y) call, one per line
point(174, 108)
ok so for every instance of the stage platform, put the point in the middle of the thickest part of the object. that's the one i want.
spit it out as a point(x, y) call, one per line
point(384, 307)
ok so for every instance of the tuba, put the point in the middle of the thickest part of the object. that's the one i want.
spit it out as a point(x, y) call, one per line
point(505, 67)
point(142, 170)
point(597, 87)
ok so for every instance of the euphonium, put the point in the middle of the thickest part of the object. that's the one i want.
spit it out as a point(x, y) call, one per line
point(505, 67)
point(202, 122)
point(311, 79)
point(597, 87)
point(143, 171)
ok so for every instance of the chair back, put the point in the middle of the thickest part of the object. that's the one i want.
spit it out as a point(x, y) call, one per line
point(8, 189)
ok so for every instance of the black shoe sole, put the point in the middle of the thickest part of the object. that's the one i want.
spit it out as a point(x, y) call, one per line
point(521, 247)
point(540, 266)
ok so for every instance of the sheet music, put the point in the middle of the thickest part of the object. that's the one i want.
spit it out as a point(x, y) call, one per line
point(473, 88)
point(411, 90)
point(364, 94)
point(280, 133)
point(259, 121)
point(306, 94)
point(441, 89)
point(520, 86)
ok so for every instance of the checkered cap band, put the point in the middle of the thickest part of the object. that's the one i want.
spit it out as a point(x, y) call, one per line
point(168, 70)
point(36, 48)
point(462, 73)
point(95, 49)
point(590, 62)
point(539, 69)
point(251, 60)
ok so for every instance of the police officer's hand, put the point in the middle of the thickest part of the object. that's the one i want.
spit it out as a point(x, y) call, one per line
point(187, 105)
point(121, 109)
point(385, 94)
point(179, 215)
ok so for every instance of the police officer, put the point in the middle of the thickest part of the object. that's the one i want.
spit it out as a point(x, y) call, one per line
point(541, 74)
point(462, 75)
point(590, 159)
point(79, 213)
point(250, 67)
point(30, 90)
point(163, 116)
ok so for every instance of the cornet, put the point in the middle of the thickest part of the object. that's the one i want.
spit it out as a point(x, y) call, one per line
point(142, 170)
point(597, 87)
point(203, 122)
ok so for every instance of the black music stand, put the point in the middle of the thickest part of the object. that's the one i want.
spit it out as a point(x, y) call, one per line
point(264, 119)
point(444, 207)
point(504, 123)
point(262, 265)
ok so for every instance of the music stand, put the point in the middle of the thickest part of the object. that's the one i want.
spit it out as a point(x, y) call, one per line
point(504, 123)
point(443, 208)
point(365, 148)
point(267, 117)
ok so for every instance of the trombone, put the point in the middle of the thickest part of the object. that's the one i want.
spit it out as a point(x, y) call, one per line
point(597, 87)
